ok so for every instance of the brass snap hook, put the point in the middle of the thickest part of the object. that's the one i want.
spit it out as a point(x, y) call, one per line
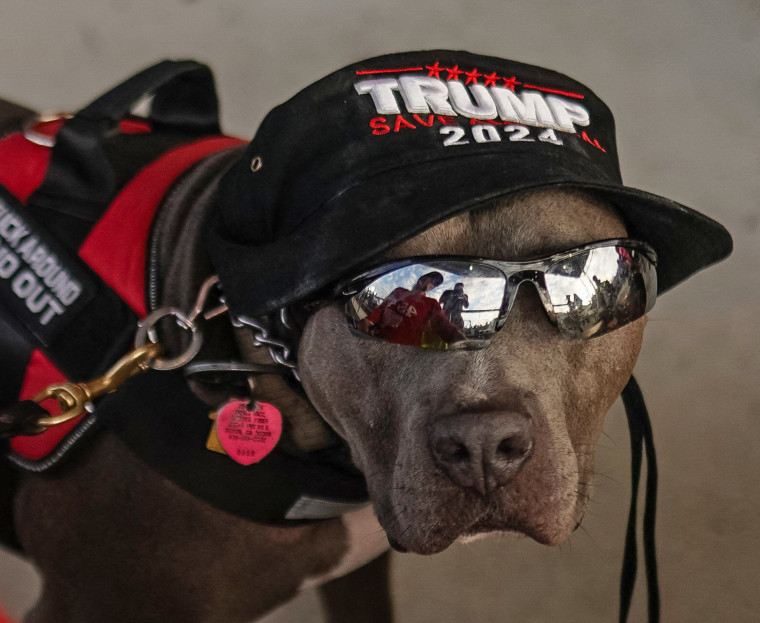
point(75, 398)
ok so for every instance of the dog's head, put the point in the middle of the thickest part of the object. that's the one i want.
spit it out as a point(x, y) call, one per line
point(449, 153)
point(498, 437)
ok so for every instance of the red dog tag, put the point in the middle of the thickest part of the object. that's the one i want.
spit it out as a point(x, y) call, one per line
point(248, 435)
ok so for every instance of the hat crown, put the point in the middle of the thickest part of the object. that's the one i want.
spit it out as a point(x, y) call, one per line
point(380, 115)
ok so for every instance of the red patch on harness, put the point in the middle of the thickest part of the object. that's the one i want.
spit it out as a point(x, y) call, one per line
point(115, 248)
point(248, 435)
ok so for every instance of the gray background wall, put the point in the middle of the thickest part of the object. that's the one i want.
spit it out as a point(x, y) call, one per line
point(683, 78)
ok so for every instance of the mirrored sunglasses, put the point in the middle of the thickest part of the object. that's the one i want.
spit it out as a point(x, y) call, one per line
point(438, 301)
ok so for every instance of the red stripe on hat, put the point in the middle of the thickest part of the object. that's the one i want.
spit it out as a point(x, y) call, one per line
point(387, 71)
point(557, 91)
point(124, 270)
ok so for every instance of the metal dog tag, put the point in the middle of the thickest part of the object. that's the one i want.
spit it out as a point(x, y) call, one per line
point(248, 434)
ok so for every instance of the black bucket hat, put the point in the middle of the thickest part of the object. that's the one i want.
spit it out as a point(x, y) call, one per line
point(382, 149)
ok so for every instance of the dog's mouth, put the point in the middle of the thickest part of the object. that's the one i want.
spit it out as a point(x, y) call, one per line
point(433, 537)
point(499, 472)
point(429, 520)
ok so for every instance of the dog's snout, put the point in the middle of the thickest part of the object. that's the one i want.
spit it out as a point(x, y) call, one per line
point(482, 451)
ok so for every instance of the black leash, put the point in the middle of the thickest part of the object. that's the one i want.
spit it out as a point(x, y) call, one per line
point(641, 435)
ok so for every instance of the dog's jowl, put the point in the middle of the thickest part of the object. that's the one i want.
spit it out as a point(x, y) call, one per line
point(397, 317)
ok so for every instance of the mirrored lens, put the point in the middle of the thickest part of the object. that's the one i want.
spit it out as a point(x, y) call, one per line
point(432, 305)
point(599, 290)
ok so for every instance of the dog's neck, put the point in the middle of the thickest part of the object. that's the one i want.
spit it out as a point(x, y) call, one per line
point(179, 265)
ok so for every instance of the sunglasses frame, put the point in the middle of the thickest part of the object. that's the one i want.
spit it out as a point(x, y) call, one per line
point(515, 273)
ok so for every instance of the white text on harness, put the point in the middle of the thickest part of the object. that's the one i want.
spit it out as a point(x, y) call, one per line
point(35, 274)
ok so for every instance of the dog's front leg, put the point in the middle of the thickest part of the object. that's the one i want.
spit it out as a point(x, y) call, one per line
point(362, 595)
point(117, 542)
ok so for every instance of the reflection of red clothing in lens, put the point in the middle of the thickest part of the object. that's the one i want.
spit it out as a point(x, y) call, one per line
point(411, 318)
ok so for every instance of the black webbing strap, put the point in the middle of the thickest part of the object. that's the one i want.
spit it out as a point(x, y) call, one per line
point(80, 178)
point(17, 349)
point(21, 419)
point(184, 98)
point(51, 300)
point(641, 435)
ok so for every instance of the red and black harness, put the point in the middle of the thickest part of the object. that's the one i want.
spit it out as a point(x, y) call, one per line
point(79, 198)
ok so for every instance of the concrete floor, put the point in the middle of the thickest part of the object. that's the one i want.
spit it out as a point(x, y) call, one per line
point(683, 79)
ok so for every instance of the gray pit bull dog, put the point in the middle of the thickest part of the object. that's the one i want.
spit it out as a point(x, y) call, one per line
point(530, 405)
point(524, 411)
point(440, 154)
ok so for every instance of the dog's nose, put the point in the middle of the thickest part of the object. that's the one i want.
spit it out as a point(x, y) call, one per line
point(482, 451)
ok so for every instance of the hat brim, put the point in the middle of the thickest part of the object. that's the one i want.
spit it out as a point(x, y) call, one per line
point(378, 212)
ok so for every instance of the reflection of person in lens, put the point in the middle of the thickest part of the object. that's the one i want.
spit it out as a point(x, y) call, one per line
point(412, 318)
point(453, 301)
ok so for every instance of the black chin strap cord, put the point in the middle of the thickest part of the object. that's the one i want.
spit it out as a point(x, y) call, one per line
point(641, 436)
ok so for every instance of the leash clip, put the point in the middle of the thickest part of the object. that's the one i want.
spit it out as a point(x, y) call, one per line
point(75, 398)
point(147, 333)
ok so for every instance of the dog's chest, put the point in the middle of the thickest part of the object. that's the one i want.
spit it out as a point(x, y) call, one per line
point(365, 539)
